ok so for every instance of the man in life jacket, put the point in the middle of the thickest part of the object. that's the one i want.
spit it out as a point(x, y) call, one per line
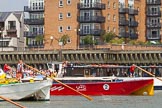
point(20, 70)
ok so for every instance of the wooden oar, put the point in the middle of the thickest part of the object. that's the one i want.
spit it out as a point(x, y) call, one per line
point(89, 98)
point(148, 73)
point(8, 100)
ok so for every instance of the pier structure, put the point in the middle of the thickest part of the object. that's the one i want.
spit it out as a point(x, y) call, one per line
point(39, 59)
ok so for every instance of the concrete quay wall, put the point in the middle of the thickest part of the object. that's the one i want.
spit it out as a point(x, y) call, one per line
point(130, 47)
point(39, 58)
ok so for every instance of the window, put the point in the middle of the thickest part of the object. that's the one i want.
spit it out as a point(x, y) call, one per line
point(114, 29)
point(108, 29)
point(108, 17)
point(68, 14)
point(60, 16)
point(114, 5)
point(68, 2)
point(60, 29)
point(12, 25)
point(60, 3)
point(68, 27)
point(114, 18)
point(68, 40)
point(108, 4)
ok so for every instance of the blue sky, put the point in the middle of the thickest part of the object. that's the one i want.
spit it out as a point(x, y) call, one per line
point(12, 5)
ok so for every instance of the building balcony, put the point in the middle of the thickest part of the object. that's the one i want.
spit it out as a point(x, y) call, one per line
point(90, 6)
point(123, 34)
point(157, 2)
point(153, 14)
point(133, 24)
point(91, 19)
point(123, 22)
point(37, 9)
point(34, 21)
point(32, 34)
point(153, 37)
point(11, 34)
point(132, 11)
point(94, 32)
point(150, 25)
point(123, 10)
point(4, 42)
point(35, 46)
point(133, 35)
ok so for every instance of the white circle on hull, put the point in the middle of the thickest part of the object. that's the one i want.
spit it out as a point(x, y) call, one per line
point(106, 87)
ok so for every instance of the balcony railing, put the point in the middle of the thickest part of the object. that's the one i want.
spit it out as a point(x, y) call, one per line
point(153, 14)
point(37, 9)
point(153, 37)
point(98, 6)
point(11, 30)
point(34, 21)
point(123, 34)
point(91, 19)
point(133, 11)
point(94, 32)
point(33, 34)
point(123, 10)
point(157, 2)
point(133, 24)
point(133, 35)
point(123, 22)
point(151, 25)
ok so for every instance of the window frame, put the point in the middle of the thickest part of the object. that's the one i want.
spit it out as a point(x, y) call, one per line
point(68, 28)
point(68, 2)
point(68, 15)
point(60, 29)
point(61, 3)
point(60, 16)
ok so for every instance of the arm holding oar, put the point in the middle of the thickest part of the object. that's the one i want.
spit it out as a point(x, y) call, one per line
point(148, 73)
point(89, 98)
point(8, 100)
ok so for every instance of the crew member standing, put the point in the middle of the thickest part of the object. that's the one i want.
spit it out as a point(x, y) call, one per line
point(132, 69)
point(20, 70)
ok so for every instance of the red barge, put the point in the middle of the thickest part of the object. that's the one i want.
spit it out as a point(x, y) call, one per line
point(96, 86)
point(100, 86)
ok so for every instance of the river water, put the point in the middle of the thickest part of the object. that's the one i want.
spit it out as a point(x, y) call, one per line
point(98, 102)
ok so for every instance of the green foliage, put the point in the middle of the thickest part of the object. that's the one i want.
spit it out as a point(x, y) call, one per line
point(156, 43)
point(39, 38)
point(107, 37)
point(64, 39)
point(117, 41)
point(139, 43)
point(88, 40)
point(26, 41)
point(132, 42)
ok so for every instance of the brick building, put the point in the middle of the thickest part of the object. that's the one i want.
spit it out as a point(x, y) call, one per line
point(134, 19)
